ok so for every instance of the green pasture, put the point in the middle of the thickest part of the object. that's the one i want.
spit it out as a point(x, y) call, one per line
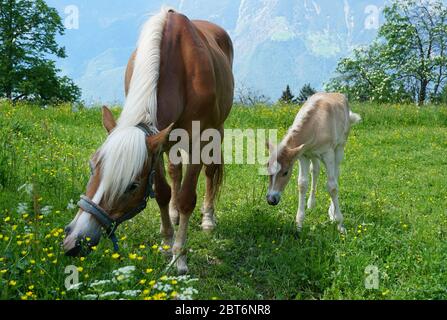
point(393, 196)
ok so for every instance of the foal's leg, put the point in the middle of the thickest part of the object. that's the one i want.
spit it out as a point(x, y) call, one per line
point(175, 172)
point(315, 168)
point(187, 199)
point(329, 159)
point(303, 184)
point(213, 176)
point(163, 196)
point(339, 155)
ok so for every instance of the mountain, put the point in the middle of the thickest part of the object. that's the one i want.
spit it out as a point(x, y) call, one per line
point(277, 42)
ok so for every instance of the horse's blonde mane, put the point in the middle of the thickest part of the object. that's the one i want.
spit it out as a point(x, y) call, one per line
point(124, 153)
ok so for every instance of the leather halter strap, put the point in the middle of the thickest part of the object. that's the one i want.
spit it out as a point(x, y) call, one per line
point(107, 223)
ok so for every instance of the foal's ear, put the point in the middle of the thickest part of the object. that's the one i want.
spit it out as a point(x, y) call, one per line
point(108, 120)
point(270, 146)
point(297, 152)
point(155, 143)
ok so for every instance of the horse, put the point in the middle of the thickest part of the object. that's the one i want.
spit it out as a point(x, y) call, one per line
point(319, 133)
point(180, 73)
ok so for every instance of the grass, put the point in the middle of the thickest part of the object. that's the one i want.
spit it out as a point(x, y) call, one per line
point(393, 196)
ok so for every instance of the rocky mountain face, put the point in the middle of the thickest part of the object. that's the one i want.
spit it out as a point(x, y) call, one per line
point(277, 42)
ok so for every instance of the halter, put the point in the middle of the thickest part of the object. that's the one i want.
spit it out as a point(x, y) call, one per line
point(110, 225)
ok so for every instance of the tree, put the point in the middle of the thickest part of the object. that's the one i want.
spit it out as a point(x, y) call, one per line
point(306, 92)
point(441, 97)
point(250, 97)
point(28, 30)
point(364, 77)
point(407, 61)
point(287, 96)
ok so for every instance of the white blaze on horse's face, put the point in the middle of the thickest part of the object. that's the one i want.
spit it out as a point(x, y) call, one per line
point(83, 228)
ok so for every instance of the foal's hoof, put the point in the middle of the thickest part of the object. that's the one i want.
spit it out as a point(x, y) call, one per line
point(331, 214)
point(311, 204)
point(342, 230)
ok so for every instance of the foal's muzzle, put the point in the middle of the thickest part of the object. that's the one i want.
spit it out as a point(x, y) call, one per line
point(274, 199)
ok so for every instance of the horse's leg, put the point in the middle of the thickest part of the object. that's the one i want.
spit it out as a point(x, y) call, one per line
point(213, 179)
point(187, 199)
point(175, 172)
point(163, 196)
point(303, 184)
point(330, 160)
point(315, 168)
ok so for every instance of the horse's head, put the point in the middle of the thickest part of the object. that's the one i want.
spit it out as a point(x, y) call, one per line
point(121, 182)
point(280, 169)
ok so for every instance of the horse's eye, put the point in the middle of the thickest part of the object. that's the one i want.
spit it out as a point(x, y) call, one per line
point(133, 187)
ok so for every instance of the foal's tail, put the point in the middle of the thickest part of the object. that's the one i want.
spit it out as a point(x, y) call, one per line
point(354, 118)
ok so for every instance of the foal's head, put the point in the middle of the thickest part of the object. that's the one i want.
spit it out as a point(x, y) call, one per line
point(119, 183)
point(280, 169)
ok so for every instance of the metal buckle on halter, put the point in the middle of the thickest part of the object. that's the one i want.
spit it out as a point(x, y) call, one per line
point(108, 224)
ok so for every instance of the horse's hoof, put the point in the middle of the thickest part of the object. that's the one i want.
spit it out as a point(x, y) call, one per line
point(182, 267)
point(182, 270)
point(166, 252)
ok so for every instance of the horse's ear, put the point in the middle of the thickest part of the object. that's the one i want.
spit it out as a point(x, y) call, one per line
point(108, 120)
point(155, 143)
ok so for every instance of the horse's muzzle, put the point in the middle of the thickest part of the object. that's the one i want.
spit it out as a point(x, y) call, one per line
point(74, 252)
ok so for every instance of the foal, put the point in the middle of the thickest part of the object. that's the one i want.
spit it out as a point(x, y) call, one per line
point(320, 132)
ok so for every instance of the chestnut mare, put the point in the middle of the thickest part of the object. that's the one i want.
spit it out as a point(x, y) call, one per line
point(181, 72)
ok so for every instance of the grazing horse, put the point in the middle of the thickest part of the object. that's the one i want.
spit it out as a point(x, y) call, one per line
point(180, 73)
point(320, 132)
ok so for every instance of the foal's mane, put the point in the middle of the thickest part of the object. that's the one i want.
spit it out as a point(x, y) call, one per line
point(124, 154)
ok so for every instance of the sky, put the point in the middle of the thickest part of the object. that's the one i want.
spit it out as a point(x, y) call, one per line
point(277, 42)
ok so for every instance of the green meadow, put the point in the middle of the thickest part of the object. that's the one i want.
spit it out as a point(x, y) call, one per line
point(393, 197)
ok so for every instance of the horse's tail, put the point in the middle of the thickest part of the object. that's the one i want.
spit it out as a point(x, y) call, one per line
point(218, 180)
